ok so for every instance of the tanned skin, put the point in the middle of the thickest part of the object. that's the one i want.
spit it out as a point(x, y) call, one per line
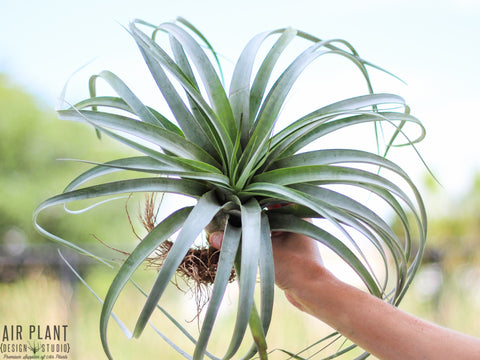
point(378, 327)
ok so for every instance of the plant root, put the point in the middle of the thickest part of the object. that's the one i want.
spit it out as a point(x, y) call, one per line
point(197, 269)
point(199, 264)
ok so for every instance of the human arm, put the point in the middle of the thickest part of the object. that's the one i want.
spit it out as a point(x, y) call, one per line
point(376, 326)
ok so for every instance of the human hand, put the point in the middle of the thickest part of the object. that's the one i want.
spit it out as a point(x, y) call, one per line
point(371, 323)
point(296, 259)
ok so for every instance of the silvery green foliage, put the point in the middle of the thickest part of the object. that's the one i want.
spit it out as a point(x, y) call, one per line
point(220, 148)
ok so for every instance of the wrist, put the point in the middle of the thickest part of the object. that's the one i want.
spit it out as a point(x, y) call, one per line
point(311, 286)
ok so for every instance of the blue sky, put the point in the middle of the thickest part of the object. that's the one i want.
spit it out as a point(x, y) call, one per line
point(432, 45)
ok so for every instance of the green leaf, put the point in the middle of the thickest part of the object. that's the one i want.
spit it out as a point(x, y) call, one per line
point(154, 134)
point(354, 156)
point(198, 114)
point(175, 323)
point(267, 274)
point(173, 161)
point(260, 325)
point(196, 221)
point(270, 110)
point(137, 163)
point(291, 195)
point(128, 96)
point(158, 235)
point(207, 73)
point(307, 134)
point(361, 218)
point(196, 131)
point(184, 187)
point(284, 222)
point(264, 72)
point(118, 103)
point(326, 174)
point(258, 335)
point(231, 240)
point(240, 96)
point(171, 343)
point(222, 126)
point(247, 271)
point(344, 107)
point(268, 114)
point(62, 241)
point(190, 26)
point(338, 156)
point(122, 326)
point(148, 165)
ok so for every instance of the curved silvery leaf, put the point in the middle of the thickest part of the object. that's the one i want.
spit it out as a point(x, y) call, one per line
point(230, 245)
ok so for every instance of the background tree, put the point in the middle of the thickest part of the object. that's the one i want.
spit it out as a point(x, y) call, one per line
point(448, 285)
point(31, 141)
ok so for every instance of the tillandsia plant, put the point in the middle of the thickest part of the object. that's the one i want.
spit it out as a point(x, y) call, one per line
point(220, 148)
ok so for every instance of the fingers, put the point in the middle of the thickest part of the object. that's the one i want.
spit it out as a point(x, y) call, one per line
point(285, 244)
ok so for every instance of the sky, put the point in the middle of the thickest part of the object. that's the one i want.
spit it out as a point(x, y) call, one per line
point(431, 45)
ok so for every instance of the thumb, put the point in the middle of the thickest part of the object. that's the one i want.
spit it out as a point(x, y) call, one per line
point(216, 239)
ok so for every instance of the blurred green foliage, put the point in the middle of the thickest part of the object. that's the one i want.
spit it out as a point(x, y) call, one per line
point(32, 140)
point(447, 288)
point(454, 226)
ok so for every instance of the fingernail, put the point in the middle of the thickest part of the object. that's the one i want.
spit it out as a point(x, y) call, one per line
point(215, 240)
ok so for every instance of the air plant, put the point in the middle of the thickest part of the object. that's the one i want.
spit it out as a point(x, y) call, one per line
point(248, 179)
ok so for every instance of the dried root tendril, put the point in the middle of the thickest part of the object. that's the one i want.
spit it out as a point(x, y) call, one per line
point(197, 269)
